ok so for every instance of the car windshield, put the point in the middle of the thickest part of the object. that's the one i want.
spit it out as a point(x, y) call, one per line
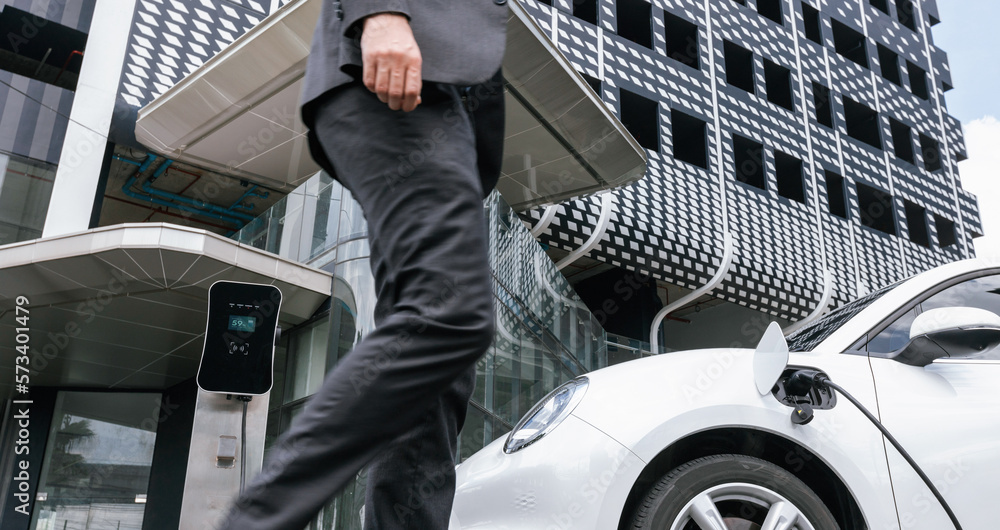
point(807, 338)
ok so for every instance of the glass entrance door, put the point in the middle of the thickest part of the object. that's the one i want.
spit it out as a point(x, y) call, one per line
point(97, 459)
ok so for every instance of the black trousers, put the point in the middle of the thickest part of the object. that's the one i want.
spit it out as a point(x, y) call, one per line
point(397, 402)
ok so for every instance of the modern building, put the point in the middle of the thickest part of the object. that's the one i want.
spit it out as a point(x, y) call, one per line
point(792, 154)
point(811, 133)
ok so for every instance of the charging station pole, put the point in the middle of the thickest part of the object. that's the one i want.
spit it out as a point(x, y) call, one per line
point(238, 355)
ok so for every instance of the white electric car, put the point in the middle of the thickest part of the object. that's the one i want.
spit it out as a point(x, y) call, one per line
point(722, 439)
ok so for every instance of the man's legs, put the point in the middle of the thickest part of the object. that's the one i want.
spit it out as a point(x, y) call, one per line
point(412, 483)
point(415, 176)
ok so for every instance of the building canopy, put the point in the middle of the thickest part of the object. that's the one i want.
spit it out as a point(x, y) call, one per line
point(238, 114)
point(125, 306)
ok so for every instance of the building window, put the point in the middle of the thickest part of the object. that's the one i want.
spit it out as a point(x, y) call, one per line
point(39, 48)
point(836, 194)
point(741, 2)
point(595, 83)
point(739, 66)
point(862, 123)
point(25, 192)
point(770, 9)
point(824, 107)
point(682, 40)
point(585, 10)
point(635, 21)
point(881, 5)
point(916, 223)
point(876, 209)
point(546, 2)
point(945, 231)
point(918, 80)
point(906, 13)
point(902, 141)
point(749, 161)
point(778, 84)
point(810, 16)
point(639, 115)
point(931, 152)
point(849, 43)
point(689, 139)
point(788, 172)
point(889, 62)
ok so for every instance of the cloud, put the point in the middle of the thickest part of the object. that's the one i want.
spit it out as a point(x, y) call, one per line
point(980, 174)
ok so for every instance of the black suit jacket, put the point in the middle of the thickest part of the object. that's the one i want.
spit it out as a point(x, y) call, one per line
point(461, 42)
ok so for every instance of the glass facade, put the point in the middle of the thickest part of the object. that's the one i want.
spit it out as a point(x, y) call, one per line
point(25, 189)
point(545, 333)
point(97, 461)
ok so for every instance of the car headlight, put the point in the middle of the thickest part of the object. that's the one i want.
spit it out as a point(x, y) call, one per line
point(546, 414)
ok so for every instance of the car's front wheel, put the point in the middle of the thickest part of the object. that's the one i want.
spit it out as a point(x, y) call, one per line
point(731, 492)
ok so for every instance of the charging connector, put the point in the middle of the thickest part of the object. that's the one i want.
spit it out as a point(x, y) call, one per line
point(801, 383)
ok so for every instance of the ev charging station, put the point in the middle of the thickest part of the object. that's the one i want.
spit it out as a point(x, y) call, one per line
point(238, 356)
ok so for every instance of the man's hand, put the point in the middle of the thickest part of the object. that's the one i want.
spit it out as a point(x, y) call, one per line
point(391, 60)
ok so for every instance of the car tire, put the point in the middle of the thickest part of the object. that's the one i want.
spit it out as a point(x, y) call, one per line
point(730, 492)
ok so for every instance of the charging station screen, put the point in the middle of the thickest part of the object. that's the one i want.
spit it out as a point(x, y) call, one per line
point(242, 323)
point(238, 355)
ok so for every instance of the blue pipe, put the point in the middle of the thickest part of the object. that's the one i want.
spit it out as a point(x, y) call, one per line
point(127, 191)
point(150, 158)
point(160, 170)
point(249, 192)
point(201, 205)
point(189, 205)
point(128, 161)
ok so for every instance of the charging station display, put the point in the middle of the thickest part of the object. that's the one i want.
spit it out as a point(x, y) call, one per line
point(238, 357)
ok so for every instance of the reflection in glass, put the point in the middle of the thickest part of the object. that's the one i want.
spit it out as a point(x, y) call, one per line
point(545, 333)
point(306, 363)
point(96, 466)
point(25, 190)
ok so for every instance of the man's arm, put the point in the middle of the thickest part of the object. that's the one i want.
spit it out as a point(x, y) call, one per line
point(391, 60)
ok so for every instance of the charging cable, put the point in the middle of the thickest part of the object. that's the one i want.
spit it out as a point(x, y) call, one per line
point(243, 442)
point(799, 384)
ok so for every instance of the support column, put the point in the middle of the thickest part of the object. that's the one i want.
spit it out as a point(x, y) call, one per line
point(78, 176)
point(210, 485)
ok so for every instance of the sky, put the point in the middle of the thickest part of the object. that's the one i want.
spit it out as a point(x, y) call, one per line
point(970, 33)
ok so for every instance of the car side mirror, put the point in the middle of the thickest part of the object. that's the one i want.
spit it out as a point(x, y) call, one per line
point(950, 332)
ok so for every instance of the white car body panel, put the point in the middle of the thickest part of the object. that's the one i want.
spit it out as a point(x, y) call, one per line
point(527, 490)
point(946, 415)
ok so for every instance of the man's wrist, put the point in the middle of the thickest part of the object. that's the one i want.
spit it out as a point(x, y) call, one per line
point(384, 20)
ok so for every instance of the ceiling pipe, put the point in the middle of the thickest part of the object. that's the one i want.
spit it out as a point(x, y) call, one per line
point(824, 302)
point(249, 193)
point(126, 189)
point(607, 205)
point(204, 206)
point(191, 206)
point(727, 263)
point(195, 205)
